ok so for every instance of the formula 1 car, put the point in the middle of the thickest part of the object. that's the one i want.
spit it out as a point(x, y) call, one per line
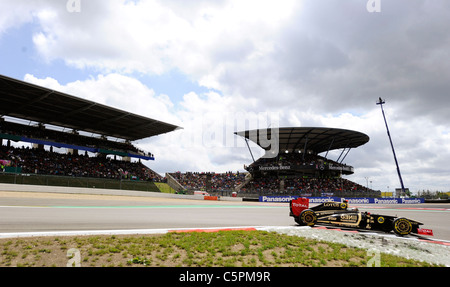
point(339, 214)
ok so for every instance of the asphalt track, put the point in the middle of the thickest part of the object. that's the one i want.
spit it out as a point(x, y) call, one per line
point(31, 211)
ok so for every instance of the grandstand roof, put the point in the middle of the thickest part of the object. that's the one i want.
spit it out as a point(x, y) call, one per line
point(317, 139)
point(31, 102)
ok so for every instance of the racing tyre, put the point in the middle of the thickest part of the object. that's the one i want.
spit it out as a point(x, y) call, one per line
point(402, 226)
point(308, 217)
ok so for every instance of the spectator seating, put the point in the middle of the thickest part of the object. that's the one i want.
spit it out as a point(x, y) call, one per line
point(302, 185)
point(40, 161)
point(219, 181)
point(36, 133)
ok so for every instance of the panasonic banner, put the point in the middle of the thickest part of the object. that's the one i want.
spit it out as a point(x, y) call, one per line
point(360, 200)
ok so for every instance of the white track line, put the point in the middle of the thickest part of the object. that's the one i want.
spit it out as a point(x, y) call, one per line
point(118, 232)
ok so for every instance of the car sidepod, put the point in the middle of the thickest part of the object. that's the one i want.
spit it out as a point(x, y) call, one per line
point(345, 219)
point(379, 222)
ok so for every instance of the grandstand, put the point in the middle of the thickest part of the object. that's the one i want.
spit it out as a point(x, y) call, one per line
point(97, 138)
point(98, 144)
point(299, 148)
point(219, 183)
point(296, 168)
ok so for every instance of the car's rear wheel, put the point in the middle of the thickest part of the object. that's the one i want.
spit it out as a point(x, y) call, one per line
point(402, 226)
point(308, 217)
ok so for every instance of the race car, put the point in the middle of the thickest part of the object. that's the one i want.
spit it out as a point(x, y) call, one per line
point(339, 214)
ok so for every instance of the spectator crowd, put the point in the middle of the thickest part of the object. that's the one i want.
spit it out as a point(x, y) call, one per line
point(293, 160)
point(219, 181)
point(266, 184)
point(40, 161)
point(73, 137)
point(302, 185)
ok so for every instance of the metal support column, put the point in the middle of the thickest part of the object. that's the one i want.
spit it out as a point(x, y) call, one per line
point(246, 141)
point(381, 102)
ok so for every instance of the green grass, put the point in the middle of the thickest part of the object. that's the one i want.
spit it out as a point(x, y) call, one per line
point(164, 187)
point(218, 249)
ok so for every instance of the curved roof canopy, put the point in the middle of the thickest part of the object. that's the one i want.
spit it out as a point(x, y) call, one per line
point(27, 101)
point(317, 139)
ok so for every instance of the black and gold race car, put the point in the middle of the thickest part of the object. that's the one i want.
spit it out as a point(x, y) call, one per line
point(339, 214)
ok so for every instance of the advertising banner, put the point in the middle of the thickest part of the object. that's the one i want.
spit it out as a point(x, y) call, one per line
point(4, 162)
point(360, 200)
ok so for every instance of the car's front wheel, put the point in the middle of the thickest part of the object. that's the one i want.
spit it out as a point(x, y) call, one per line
point(402, 226)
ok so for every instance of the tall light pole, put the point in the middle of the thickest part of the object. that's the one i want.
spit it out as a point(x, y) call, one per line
point(381, 102)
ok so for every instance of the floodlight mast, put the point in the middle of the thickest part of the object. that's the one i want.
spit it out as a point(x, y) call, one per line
point(381, 102)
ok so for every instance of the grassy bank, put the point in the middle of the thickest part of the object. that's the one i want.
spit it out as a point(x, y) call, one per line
point(220, 249)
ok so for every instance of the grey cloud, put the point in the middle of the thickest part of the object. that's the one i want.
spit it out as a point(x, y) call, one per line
point(346, 58)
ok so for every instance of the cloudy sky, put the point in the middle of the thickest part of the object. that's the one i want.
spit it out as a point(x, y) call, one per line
point(216, 67)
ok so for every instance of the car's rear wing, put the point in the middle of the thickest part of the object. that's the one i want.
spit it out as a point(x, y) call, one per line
point(298, 205)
